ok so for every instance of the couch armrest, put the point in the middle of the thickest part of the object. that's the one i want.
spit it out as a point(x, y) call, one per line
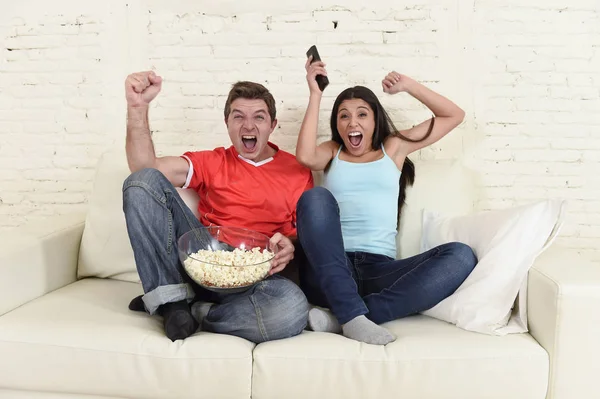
point(564, 317)
point(38, 258)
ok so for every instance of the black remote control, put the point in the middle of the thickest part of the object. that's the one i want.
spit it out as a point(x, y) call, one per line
point(322, 80)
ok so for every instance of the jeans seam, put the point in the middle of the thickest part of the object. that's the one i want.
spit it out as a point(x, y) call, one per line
point(170, 237)
point(161, 200)
point(185, 214)
point(437, 251)
point(390, 273)
point(148, 188)
point(360, 258)
point(407, 274)
point(259, 319)
point(359, 279)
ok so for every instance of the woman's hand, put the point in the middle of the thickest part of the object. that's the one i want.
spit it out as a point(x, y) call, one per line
point(395, 83)
point(312, 70)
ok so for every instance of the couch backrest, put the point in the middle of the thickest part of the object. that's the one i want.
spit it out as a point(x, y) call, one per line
point(443, 186)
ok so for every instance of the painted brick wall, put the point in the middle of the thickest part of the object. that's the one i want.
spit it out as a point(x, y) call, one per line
point(527, 75)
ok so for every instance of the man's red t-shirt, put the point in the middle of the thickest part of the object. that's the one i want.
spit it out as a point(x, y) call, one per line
point(241, 193)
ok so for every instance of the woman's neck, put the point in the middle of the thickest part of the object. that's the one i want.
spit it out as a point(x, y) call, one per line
point(369, 156)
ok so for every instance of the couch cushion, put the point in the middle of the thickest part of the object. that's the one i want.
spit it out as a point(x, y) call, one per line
point(12, 394)
point(105, 248)
point(429, 360)
point(443, 186)
point(83, 339)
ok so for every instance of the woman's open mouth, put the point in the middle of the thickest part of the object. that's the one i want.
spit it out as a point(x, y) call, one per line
point(355, 139)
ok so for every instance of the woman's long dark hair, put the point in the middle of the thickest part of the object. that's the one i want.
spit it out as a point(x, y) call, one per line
point(384, 127)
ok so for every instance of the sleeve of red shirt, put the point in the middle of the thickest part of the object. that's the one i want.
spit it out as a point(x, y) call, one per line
point(201, 163)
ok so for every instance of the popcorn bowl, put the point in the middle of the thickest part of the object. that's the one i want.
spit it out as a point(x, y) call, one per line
point(225, 259)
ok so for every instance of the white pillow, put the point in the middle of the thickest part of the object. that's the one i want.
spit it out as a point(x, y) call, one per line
point(506, 243)
point(433, 177)
point(105, 248)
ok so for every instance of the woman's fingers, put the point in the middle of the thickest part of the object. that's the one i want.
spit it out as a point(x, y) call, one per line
point(317, 64)
point(307, 63)
point(319, 71)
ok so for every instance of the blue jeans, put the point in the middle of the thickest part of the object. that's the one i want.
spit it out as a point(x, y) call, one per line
point(377, 286)
point(156, 217)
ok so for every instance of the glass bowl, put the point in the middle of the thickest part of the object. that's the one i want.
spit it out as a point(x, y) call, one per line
point(225, 259)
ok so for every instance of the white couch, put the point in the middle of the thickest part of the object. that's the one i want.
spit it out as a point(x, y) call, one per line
point(66, 331)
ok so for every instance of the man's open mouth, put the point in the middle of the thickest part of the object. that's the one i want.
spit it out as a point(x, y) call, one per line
point(249, 142)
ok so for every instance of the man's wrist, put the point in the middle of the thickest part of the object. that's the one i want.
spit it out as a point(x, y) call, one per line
point(137, 114)
point(142, 108)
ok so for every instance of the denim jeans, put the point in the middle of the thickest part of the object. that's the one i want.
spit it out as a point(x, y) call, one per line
point(377, 286)
point(156, 217)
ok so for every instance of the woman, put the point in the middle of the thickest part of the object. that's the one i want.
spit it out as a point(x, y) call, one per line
point(348, 227)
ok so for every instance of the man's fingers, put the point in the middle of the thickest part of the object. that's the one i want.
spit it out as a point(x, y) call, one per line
point(142, 77)
point(284, 252)
point(276, 269)
point(284, 257)
point(138, 87)
point(154, 79)
point(137, 84)
point(280, 264)
point(141, 80)
point(275, 239)
point(133, 80)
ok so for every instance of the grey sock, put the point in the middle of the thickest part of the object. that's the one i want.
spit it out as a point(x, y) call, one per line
point(200, 310)
point(362, 329)
point(323, 320)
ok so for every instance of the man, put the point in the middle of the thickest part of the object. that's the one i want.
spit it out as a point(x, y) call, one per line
point(251, 184)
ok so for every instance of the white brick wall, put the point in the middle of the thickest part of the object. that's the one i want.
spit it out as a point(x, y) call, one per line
point(527, 75)
point(537, 109)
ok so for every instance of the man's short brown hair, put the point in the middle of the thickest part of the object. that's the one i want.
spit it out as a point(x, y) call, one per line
point(251, 91)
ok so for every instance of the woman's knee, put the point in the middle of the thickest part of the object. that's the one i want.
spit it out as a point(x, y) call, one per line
point(316, 205)
point(314, 199)
point(463, 255)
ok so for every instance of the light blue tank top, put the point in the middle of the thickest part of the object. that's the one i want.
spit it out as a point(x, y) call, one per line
point(367, 194)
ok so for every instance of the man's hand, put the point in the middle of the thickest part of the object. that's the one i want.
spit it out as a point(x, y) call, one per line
point(285, 252)
point(141, 88)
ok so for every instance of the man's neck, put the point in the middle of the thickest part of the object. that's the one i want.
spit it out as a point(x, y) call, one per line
point(266, 153)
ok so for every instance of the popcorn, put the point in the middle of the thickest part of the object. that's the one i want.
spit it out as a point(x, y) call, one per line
point(229, 269)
